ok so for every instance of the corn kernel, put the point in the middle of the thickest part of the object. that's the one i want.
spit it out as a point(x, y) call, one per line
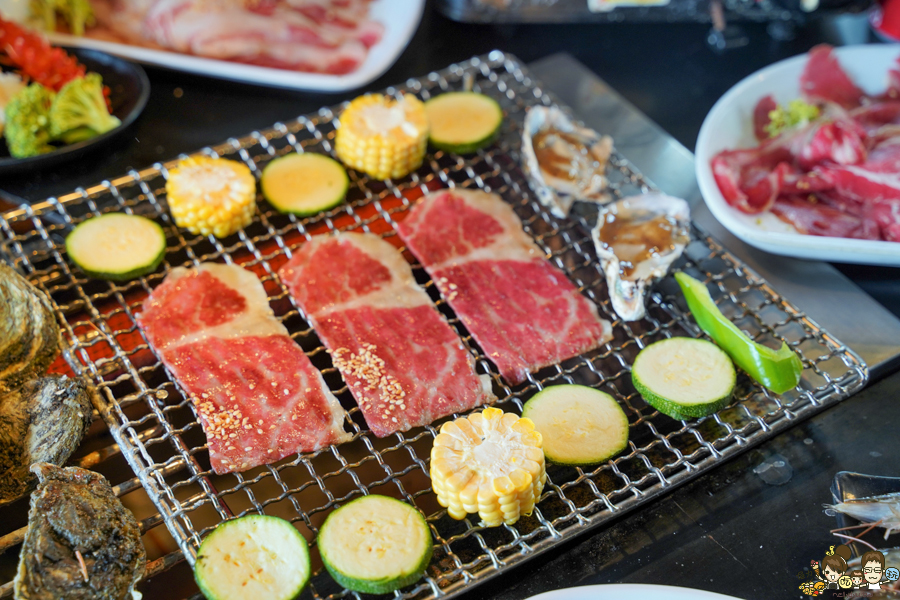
point(490, 463)
point(383, 137)
point(211, 195)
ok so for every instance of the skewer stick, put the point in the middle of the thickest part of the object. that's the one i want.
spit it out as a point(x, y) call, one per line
point(14, 538)
point(154, 567)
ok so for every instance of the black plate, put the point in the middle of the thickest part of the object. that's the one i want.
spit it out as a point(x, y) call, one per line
point(847, 486)
point(129, 89)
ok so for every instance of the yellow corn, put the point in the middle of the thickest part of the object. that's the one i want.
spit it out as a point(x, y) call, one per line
point(383, 137)
point(490, 463)
point(211, 195)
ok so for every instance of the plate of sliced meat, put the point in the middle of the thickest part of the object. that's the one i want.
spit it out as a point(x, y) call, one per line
point(322, 45)
point(802, 158)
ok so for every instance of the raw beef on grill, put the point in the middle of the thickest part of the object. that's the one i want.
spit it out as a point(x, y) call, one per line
point(522, 310)
point(258, 397)
point(401, 360)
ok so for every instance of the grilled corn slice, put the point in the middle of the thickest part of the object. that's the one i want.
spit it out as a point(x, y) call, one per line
point(490, 463)
point(383, 137)
point(211, 195)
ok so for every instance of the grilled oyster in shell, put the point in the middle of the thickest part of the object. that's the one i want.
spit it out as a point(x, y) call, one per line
point(637, 239)
point(81, 544)
point(564, 162)
point(43, 421)
point(29, 334)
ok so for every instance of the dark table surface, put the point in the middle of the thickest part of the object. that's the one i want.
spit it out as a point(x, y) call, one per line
point(728, 531)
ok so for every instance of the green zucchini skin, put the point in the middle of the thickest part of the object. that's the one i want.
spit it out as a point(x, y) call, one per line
point(381, 586)
point(281, 192)
point(683, 411)
point(549, 406)
point(213, 580)
point(329, 547)
point(82, 251)
point(468, 146)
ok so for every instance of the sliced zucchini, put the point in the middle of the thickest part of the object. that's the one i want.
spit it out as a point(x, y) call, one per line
point(117, 246)
point(304, 184)
point(253, 558)
point(463, 122)
point(580, 425)
point(375, 544)
point(684, 378)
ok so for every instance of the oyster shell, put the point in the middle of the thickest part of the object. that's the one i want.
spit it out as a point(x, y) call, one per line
point(43, 421)
point(81, 543)
point(29, 334)
point(564, 162)
point(637, 239)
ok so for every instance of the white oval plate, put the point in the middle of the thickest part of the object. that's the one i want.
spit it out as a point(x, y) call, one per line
point(729, 125)
point(619, 591)
point(400, 19)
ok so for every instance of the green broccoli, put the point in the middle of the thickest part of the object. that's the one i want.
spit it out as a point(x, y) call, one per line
point(797, 113)
point(76, 13)
point(79, 111)
point(27, 129)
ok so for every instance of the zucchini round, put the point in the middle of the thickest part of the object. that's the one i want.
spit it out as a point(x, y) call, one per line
point(375, 544)
point(462, 122)
point(304, 184)
point(580, 425)
point(684, 378)
point(117, 246)
point(253, 558)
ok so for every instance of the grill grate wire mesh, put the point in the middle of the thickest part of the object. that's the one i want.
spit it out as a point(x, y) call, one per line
point(156, 426)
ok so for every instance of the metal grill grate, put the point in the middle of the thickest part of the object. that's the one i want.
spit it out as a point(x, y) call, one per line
point(156, 426)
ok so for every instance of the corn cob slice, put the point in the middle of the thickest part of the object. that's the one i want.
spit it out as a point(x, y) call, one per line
point(490, 463)
point(383, 137)
point(211, 195)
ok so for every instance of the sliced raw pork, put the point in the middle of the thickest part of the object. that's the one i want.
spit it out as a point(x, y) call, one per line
point(402, 361)
point(258, 397)
point(522, 310)
point(326, 36)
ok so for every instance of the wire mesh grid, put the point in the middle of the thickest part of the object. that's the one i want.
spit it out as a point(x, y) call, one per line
point(156, 425)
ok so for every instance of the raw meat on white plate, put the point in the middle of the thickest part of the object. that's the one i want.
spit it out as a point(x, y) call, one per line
point(402, 361)
point(522, 310)
point(258, 396)
point(323, 36)
point(838, 175)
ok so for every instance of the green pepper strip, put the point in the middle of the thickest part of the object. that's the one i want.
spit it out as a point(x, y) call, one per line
point(778, 371)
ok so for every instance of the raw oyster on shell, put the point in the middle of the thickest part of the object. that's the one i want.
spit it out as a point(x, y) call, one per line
point(81, 543)
point(637, 239)
point(564, 162)
point(43, 421)
point(29, 333)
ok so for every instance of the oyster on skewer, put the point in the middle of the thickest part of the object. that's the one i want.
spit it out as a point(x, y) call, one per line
point(43, 421)
point(637, 239)
point(29, 334)
point(564, 162)
point(81, 544)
